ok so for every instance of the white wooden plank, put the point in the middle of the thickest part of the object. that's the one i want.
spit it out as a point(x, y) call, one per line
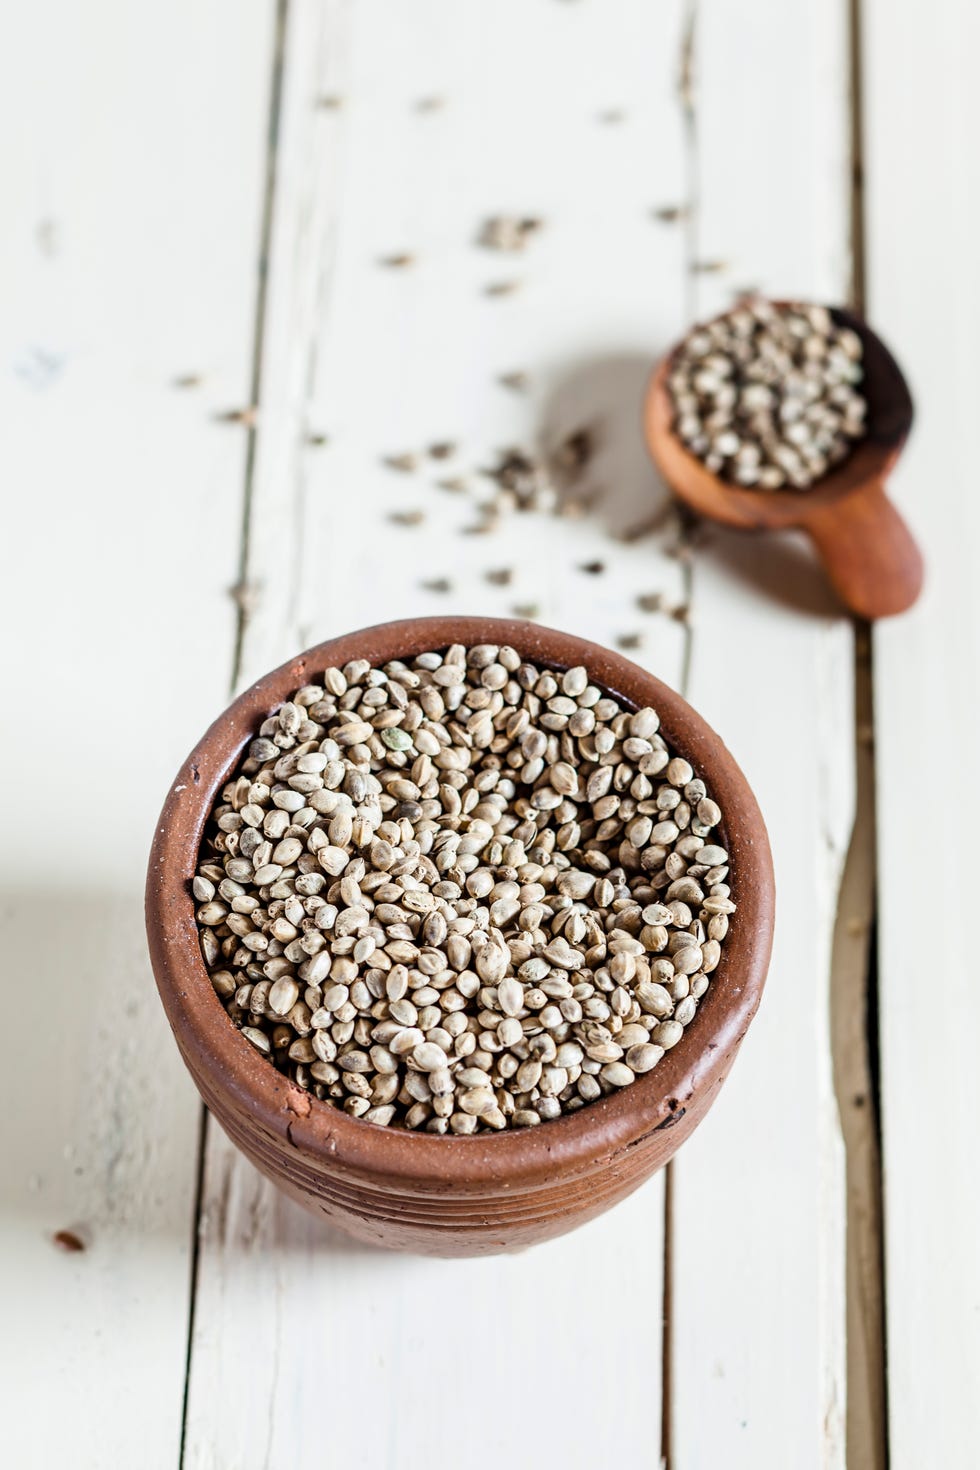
point(130, 188)
point(923, 226)
point(386, 361)
point(308, 1345)
point(758, 1214)
point(400, 359)
point(757, 1220)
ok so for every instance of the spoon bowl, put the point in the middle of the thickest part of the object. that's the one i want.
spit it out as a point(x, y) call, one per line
point(867, 550)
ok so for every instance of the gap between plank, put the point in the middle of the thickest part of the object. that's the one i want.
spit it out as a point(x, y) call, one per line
point(243, 601)
point(202, 1135)
point(854, 975)
point(260, 313)
point(666, 1447)
point(853, 1012)
point(856, 64)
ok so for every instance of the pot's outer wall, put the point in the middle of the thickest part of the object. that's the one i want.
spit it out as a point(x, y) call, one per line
point(455, 1196)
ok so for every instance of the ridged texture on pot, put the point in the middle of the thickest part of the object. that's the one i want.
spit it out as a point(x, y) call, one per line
point(446, 1219)
point(446, 1195)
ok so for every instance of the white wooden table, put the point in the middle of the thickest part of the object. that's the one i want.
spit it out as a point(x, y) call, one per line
point(199, 201)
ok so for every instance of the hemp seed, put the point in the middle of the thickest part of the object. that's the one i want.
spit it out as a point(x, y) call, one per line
point(461, 892)
point(766, 396)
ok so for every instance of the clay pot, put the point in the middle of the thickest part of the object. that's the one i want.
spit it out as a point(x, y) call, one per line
point(455, 1196)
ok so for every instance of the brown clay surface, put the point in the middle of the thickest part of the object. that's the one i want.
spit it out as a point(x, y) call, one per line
point(868, 551)
point(416, 1191)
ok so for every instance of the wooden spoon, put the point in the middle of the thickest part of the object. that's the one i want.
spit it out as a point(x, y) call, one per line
point(867, 549)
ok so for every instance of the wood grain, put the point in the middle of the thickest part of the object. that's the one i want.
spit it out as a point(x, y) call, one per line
point(871, 559)
point(387, 360)
point(757, 1227)
point(852, 979)
point(130, 204)
point(134, 200)
point(923, 230)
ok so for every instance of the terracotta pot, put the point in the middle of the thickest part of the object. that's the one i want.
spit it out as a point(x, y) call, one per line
point(455, 1196)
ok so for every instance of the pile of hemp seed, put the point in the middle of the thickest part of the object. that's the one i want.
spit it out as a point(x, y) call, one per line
point(767, 395)
point(462, 892)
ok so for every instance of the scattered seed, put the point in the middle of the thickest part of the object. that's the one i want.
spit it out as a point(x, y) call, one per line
point(188, 380)
point(248, 417)
point(407, 517)
point(430, 104)
point(612, 115)
point(593, 568)
point(629, 640)
point(456, 484)
point(708, 267)
point(505, 232)
point(499, 576)
point(317, 441)
point(572, 510)
point(527, 481)
point(246, 596)
point(67, 1240)
point(650, 602)
point(574, 453)
point(407, 464)
point(330, 103)
point(437, 584)
point(487, 523)
point(443, 450)
point(397, 262)
point(501, 288)
point(669, 214)
point(518, 382)
point(461, 892)
point(522, 481)
point(528, 610)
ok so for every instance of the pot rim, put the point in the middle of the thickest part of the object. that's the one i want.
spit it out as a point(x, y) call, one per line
point(332, 1140)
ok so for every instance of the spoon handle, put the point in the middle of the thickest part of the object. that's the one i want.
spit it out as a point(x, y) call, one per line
point(868, 552)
